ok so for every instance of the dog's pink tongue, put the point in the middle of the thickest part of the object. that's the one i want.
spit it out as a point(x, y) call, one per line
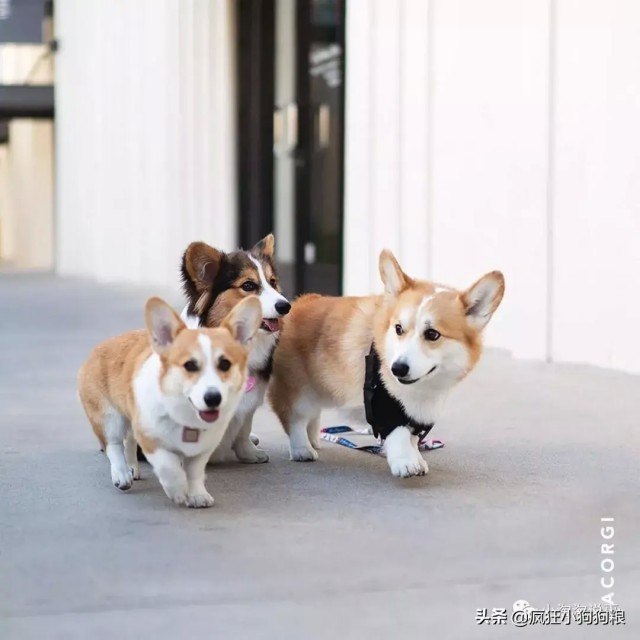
point(209, 416)
point(271, 323)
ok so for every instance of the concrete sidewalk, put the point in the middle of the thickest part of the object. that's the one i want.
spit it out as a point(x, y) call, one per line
point(535, 455)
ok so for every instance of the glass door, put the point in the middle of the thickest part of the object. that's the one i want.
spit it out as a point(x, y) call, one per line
point(319, 183)
point(290, 130)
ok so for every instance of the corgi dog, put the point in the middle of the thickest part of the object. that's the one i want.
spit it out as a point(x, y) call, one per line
point(172, 389)
point(213, 282)
point(391, 358)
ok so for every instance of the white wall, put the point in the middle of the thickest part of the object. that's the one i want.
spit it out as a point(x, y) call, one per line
point(596, 196)
point(486, 134)
point(144, 135)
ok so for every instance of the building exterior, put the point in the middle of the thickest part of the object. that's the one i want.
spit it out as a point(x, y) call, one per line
point(26, 135)
point(465, 135)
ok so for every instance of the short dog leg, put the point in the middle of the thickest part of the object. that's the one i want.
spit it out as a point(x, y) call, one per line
point(403, 456)
point(116, 430)
point(300, 448)
point(313, 431)
point(168, 467)
point(197, 495)
point(244, 448)
point(130, 452)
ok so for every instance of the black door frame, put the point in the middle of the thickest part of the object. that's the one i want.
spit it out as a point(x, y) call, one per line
point(255, 50)
point(255, 55)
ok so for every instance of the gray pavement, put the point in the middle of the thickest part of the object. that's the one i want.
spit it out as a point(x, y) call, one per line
point(535, 455)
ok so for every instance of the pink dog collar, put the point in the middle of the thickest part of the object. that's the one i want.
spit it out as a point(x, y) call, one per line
point(251, 382)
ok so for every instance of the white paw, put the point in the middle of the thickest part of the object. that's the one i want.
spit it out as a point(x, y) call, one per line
point(408, 465)
point(179, 496)
point(315, 442)
point(252, 456)
point(122, 477)
point(303, 454)
point(135, 470)
point(200, 501)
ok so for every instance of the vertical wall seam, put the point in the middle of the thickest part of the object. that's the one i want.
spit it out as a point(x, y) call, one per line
point(430, 66)
point(401, 82)
point(551, 178)
point(371, 142)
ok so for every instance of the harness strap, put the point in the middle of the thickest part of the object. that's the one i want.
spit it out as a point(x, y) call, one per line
point(384, 412)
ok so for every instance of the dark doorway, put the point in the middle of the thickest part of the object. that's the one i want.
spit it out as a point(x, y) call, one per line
point(291, 135)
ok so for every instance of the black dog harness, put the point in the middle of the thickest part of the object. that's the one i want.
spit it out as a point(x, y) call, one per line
point(385, 413)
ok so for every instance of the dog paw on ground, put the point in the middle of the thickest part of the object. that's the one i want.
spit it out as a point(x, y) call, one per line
point(303, 454)
point(122, 477)
point(254, 456)
point(200, 501)
point(408, 466)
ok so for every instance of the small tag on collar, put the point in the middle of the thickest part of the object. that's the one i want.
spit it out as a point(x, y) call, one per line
point(251, 382)
point(190, 435)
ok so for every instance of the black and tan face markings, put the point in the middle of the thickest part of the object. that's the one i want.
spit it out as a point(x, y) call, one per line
point(239, 271)
point(214, 287)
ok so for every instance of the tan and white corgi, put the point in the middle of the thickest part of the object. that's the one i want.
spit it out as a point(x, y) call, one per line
point(171, 388)
point(392, 357)
point(214, 281)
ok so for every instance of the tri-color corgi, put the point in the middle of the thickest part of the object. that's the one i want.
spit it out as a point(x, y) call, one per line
point(172, 389)
point(214, 281)
point(391, 358)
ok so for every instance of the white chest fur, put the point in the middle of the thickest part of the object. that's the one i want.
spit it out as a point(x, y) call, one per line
point(422, 402)
point(164, 421)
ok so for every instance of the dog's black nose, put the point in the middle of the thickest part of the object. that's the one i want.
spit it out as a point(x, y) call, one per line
point(400, 369)
point(212, 399)
point(283, 307)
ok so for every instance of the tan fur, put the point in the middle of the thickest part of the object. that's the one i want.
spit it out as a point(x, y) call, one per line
point(267, 246)
point(449, 310)
point(203, 265)
point(202, 262)
point(321, 346)
point(106, 379)
point(325, 339)
point(229, 298)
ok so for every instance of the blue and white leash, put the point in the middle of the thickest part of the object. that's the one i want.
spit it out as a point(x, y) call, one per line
point(334, 434)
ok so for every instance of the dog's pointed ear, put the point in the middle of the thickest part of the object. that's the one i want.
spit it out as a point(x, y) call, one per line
point(200, 266)
point(265, 247)
point(482, 298)
point(244, 319)
point(393, 277)
point(163, 324)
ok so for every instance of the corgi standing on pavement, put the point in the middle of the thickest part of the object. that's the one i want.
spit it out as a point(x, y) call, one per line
point(393, 358)
point(174, 390)
point(214, 281)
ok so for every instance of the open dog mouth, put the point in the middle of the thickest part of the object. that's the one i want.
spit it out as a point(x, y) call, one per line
point(405, 381)
point(210, 415)
point(270, 325)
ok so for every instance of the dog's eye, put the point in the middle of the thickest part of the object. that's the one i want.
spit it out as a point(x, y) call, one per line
point(224, 364)
point(191, 366)
point(249, 286)
point(431, 334)
point(273, 282)
point(399, 330)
